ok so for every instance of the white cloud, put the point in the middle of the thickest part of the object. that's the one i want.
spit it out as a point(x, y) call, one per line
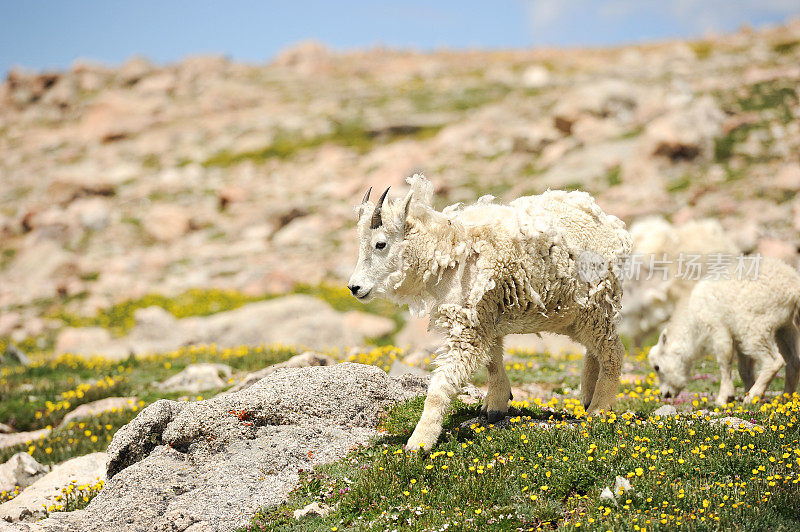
point(687, 16)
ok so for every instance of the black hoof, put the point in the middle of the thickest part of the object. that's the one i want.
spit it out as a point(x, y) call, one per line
point(495, 415)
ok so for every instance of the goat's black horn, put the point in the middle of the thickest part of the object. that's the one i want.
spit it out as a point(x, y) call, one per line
point(376, 220)
point(366, 196)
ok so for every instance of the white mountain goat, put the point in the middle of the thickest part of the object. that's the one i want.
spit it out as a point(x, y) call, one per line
point(650, 298)
point(487, 270)
point(757, 318)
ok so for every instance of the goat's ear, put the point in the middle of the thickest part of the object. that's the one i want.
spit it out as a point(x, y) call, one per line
point(662, 338)
point(360, 208)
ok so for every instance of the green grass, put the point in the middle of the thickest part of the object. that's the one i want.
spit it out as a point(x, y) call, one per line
point(702, 49)
point(6, 256)
point(352, 133)
point(677, 185)
point(772, 101)
point(77, 438)
point(777, 95)
point(119, 318)
point(425, 99)
point(46, 402)
point(613, 176)
point(686, 473)
point(75, 497)
point(786, 47)
point(25, 393)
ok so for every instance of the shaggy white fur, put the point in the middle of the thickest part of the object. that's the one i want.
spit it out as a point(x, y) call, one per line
point(650, 300)
point(487, 270)
point(756, 319)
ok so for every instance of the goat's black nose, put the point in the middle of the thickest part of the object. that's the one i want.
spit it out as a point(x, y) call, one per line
point(354, 289)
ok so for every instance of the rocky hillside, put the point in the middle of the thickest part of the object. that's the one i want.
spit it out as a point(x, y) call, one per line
point(118, 182)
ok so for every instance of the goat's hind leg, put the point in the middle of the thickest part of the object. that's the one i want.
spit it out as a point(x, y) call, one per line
point(787, 338)
point(747, 370)
point(766, 350)
point(495, 405)
point(610, 353)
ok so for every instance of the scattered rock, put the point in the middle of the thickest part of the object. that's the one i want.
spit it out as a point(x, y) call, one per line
point(734, 423)
point(28, 505)
point(788, 178)
point(781, 249)
point(15, 438)
point(536, 77)
point(399, 368)
point(9, 321)
point(152, 324)
point(665, 411)
point(296, 320)
point(685, 133)
point(98, 407)
point(314, 509)
point(621, 485)
point(370, 325)
point(607, 495)
point(89, 341)
point(415, 335)
point(5, 429)
point(471, 394)
point(196, 378)
point(292, 320)
point(20, 470)
point(92, 213)
point(218, 461)
point(14, 355)
point(167, 222)
point(531, 391)
point(308, 57)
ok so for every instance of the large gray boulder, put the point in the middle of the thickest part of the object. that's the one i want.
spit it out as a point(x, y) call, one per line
point(303, 360)
point(211, 464)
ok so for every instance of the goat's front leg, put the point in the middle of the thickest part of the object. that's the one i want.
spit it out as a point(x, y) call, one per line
point(495, 405)
point(465, 350)
point(589, 375)
point(723, 349)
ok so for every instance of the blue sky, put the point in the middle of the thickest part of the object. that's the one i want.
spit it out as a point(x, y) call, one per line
point(44, 34)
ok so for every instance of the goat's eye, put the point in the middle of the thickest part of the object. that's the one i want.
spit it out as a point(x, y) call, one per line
point(656, 368)
point(380, 245)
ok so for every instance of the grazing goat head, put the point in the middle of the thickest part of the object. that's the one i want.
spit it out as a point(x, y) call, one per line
point(670, 360)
